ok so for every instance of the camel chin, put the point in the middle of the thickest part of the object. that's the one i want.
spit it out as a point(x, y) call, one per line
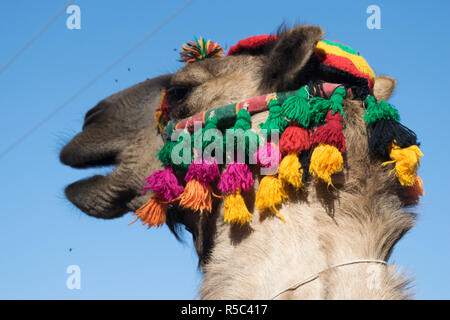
point(82, 194)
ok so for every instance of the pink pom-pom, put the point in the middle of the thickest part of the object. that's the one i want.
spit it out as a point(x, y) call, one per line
point(236, 176)
point(267, 156)
point(205, 172)
point(164, 183)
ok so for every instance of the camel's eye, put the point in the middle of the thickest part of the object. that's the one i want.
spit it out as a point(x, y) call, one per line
point(177, 94)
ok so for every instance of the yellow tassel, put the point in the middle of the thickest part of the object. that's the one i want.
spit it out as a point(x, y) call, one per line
point(196, 197)
point(235, 209)
point(290, 171)
point(270, 194)
point(326, 160)
point(406, 160)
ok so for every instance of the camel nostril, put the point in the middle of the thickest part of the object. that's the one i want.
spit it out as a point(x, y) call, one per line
point(92, 114)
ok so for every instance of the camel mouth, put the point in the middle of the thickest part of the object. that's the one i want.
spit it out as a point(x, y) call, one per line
point(97, 195)
point(93, 196)
point(107, 160)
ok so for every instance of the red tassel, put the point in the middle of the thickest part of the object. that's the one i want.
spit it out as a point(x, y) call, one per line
point(330, 133)
point(294, 140)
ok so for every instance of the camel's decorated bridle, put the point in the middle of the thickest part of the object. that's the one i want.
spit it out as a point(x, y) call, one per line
point(309, 121)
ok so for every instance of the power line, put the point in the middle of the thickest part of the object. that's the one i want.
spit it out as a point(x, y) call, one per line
point(95, 79)
point(49, 22)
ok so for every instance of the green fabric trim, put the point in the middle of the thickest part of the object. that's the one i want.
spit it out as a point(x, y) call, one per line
point(342, 46)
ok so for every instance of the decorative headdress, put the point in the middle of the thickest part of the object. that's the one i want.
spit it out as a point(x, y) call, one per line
point(310, 123)
point(200, 49)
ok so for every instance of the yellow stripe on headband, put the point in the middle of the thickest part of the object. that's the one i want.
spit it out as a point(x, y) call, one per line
point(358, 61)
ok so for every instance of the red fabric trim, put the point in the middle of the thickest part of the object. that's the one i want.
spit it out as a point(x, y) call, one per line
point(256, 105)
point(251, 43)
point(344, 64)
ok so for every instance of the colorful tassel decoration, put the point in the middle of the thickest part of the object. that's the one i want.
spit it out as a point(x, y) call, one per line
point(290, 171)
point(328, 140)
point(165, 155)
point(271, 192)
point(293, 141)
point(330, 133)
point(166, 189)
point(388, 136)
point(199, 50)
point(413, 193)
point(235, 210)
point(236, 178)
point(407, 161)
point(199, 138)
point(417, 188)
point(383, 124)
point(326, 160)
point(242, 130)
point(270, 195)
point(161, 112)
point(197, 192)
point(276, 120)
point(268, 156)
point(320, 106)
point(297, 108)
point(152, 213)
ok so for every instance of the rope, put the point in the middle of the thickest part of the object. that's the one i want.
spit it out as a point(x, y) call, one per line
point(316, 275)
point(90, 83)
point(29, 42)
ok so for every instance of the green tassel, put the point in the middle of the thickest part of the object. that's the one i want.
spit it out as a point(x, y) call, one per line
point(165, 152)
point(321, 106)
point(210, 123)
point(379, 111)
point(165, 155)
point(276, 120)
point(297, 108)
point(243, 122)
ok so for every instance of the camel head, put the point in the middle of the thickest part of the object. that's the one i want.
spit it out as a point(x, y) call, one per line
point(359, 215)
point(118, 131)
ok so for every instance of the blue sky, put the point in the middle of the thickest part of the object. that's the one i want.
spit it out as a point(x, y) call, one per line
point(38, 226)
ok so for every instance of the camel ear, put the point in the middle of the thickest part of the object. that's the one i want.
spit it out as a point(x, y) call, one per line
point(289, 56)
point(383, 87)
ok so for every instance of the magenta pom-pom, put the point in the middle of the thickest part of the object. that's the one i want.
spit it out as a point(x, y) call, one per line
point(267, 156)
point(164, 183)
point(205, 172)
point(236, 176)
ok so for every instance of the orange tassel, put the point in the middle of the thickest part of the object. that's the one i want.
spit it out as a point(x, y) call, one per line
point(196, 197)
point(413, 193)
point(152, 213)
point(417, 188)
